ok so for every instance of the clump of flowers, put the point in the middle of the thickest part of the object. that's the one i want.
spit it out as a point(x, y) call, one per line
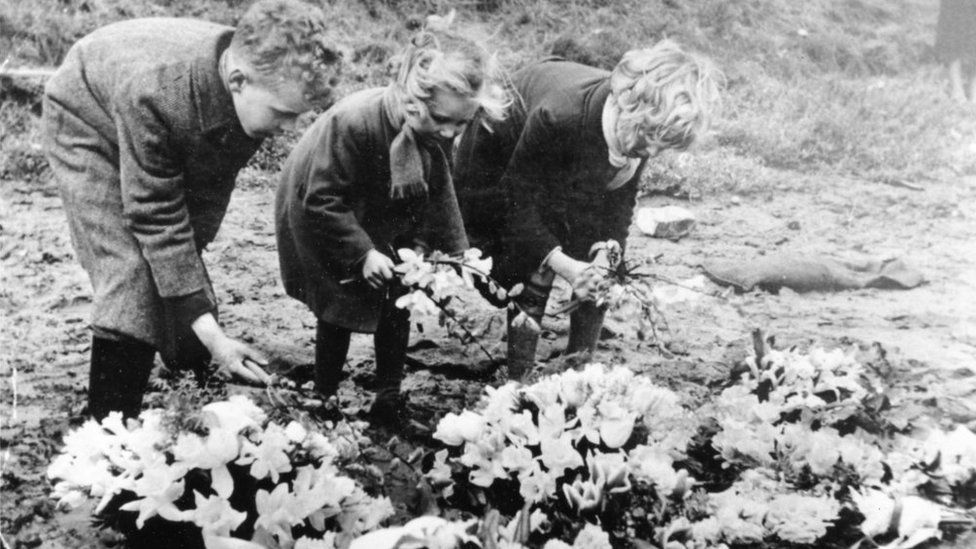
point(792, 424)
point(433, 283)
point(237, 476)
point(577, 445)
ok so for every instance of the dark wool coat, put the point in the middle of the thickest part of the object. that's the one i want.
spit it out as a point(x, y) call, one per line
point(334, 206)
point(143, 139)
point(539, 179)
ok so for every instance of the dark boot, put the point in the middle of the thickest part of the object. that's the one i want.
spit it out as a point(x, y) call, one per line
point(391, 338)
point(331, 348)
point(118, 377)
point(585, 324)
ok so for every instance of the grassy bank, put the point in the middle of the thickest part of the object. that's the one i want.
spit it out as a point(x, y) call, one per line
point(819, 87)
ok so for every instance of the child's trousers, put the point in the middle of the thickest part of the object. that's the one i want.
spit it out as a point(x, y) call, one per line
point(391, 338)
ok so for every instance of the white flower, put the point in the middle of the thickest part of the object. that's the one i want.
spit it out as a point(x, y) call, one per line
point(616, 423)
point(275, 512)
point(328, 541)
point(158, 488)
point(426, 532)
point(517, 458)
point(270, 456)
point(235, 414)
point(877, 508)
point(215, 515)
point(558, 454)
point(654, 466)
point(455, 429)
point(592, 537)
point(801, 519)
point(320, 447)
point(609, 471)
point(296, 432)
point(583, 495)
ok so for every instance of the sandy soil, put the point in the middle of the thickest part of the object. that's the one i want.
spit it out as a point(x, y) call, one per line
point(929, 332)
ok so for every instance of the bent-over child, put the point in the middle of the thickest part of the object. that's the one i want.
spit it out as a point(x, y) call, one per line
point(544, 192)
point(370, 176)
point(146, 124)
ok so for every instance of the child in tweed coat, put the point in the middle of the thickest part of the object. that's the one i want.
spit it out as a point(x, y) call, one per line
point(370, 176)
point(545, 191)
point(146, 124)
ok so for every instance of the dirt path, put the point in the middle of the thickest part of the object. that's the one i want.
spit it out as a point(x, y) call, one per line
point(44, 300)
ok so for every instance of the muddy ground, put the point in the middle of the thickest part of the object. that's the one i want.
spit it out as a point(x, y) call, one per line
point(929, 333)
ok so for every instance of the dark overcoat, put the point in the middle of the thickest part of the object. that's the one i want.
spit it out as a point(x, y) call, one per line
point(539, 179)
point(144, 141)
point(334, 205)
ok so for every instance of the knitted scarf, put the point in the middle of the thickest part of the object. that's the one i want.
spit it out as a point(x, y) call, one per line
point(413, 160)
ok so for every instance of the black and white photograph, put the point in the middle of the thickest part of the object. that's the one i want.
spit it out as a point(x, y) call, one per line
point(488, 274)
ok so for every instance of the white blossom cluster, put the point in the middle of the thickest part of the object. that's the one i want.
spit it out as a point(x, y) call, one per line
point(298, 466)
point(433, 279)
point(535, 433)
point(793, 428)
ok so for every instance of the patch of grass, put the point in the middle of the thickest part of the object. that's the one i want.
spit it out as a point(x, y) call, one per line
point(865, 127)
point(818, 86)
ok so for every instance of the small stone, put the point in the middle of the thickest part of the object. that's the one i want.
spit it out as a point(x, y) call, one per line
point(735, 200)
point(671, 222)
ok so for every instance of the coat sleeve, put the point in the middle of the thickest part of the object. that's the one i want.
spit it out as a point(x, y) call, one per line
point(525, 180)
point(152, 185)
point(333, 173)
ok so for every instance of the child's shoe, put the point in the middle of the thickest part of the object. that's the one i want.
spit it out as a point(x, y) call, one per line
point(389, 408)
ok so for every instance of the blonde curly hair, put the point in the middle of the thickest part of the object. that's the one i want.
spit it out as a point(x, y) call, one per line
point(666, 98)
point(287, 40)
point(444, 60)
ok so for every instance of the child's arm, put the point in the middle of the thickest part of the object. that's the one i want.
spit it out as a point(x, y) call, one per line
point(153, 202)
point(333, 170)
point(535, 155)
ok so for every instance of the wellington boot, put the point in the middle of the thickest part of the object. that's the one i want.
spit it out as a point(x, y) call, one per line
point(118, 377)
point(523, 340)
point(585, 324)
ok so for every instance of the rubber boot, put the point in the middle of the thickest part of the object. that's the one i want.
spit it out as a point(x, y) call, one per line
point(391, 339)
point(523, 341)
point(524, 327)
point(118, 377)
point(331, 348)
point(585, 324)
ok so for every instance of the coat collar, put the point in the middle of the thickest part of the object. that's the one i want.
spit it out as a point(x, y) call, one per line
point(215, 106)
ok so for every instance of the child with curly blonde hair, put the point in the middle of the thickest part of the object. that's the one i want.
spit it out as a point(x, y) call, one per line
point(146, 124)
point(370, 176)
point(546, 190)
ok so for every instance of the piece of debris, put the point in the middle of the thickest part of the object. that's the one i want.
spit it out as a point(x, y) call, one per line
point(670, 222)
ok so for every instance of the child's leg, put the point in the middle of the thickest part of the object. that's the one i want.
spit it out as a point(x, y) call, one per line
point(523, 338)
point(119, 374)
point(331, 348)
point(585, 324)
point(391, 338)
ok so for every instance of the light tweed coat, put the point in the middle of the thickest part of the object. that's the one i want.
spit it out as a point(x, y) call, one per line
point(143, 139)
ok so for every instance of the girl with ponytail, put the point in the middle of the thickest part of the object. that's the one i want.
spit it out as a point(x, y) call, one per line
point(370, 176)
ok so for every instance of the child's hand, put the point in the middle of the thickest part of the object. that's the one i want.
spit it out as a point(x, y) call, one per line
point(231, 357)
point(589, 281)
point(377, 269)
point(236, 359)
